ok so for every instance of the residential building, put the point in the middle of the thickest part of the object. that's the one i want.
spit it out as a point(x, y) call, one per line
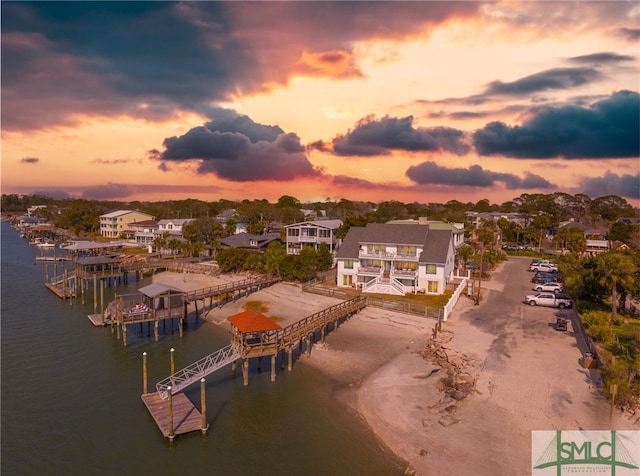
point(475, 218)
point(396, 258)
point(257, 243)
point(312, 233)
point(173, 225)
point(143, 232)
point(595, 247)
point(31, 210)
point(457, 229)
point(113, 224)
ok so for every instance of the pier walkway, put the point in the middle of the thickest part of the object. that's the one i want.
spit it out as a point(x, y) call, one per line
point(157, 302)
point(246, 344)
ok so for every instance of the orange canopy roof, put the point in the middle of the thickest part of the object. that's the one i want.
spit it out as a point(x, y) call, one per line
point(251, 321)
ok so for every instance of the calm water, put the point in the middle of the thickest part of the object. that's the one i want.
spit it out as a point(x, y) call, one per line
point(71, 397)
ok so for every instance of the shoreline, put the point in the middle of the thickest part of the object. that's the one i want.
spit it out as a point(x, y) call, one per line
point(380, 364)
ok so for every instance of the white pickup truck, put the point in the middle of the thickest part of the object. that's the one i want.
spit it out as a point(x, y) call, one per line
point(549, 299)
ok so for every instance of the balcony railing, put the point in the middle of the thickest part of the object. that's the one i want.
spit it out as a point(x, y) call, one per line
point(377, 254)
point(404, 273)
point(370, 271)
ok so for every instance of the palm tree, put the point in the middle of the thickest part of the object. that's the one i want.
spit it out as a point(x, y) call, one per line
point(615, 269)
point(161, 242)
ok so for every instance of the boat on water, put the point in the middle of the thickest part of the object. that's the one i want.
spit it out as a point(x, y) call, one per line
point(46, 244)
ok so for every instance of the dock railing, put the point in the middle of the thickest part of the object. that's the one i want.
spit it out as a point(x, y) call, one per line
point(194, 372)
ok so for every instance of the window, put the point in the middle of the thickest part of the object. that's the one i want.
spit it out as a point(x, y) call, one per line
point(348, 264)
point(293, 231)
point(324, 233)
point(432, 286)
point(431, 269)
point(407, 250)
point(376, 249)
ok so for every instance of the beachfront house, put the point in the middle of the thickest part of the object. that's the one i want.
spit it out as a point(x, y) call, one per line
point(113, 224)
point(397, 258)
point(248, 241)
point(312, 233)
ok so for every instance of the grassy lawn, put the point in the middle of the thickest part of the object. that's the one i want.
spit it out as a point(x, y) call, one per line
point(438, 301)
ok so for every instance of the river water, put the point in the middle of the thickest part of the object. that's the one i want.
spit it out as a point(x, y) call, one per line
point(71, 396)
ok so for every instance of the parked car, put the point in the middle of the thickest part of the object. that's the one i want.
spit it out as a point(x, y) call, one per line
point(549, 299)
point(553, 287)
point(543, 267)
point(542, 277)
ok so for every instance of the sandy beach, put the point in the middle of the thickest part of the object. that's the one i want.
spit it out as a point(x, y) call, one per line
point(390, 372)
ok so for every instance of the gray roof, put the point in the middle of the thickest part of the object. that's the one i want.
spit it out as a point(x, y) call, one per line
point(350, 247)
point(156, 289)
point(436, 248)
point(91, 245)
point(395, 234)
point(243, 240)
point(435, 242)
point(97, 260)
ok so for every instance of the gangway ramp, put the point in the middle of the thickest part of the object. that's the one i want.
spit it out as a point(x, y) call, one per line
point(194, 372)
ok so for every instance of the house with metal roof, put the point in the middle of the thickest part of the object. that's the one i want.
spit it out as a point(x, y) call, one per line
point(312, 233)
point(396, 258)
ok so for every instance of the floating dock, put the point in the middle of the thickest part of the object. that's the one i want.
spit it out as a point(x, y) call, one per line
point(186, 417)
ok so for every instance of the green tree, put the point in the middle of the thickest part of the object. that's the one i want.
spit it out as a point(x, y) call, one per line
point(621, 231)
point(571, 238)
point(615, 270)
point(232, 259)
point(160, 243)
point(273, 257)
point(255, 262)
point(465, 252)
point(325, 258)
point(610, 207)
point(230, 226)
point(175, 245)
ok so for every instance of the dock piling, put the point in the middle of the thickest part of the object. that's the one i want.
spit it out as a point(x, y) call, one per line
point(170, 405)
point(144, 373)
point(203, 403)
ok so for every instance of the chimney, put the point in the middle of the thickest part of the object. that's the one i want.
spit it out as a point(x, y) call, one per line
point(422, 220)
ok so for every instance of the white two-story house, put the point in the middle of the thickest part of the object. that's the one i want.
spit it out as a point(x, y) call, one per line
point(312, 233)
point(396, 259)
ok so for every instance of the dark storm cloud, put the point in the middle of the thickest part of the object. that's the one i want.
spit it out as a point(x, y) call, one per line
point(475, 176)
point(380, 137)
point(150, 59)
point(557, 78)
point(235, 148)
point(599, 58)
point(606, 129)
point(30, 160)
point(627, 186)
point(629, 34)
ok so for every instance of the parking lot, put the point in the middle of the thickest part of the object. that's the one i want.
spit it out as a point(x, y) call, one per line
point(532, 377)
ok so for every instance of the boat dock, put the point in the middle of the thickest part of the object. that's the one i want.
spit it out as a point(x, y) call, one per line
point(184, 417)
point(253, 336)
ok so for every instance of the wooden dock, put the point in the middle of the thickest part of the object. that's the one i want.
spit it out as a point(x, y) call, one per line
point(186, 417)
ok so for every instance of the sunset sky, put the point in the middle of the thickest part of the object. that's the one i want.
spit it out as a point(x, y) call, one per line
point(416, 102)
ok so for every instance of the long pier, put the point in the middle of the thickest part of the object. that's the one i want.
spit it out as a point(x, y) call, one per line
point(244, 345)
point(169, 303)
